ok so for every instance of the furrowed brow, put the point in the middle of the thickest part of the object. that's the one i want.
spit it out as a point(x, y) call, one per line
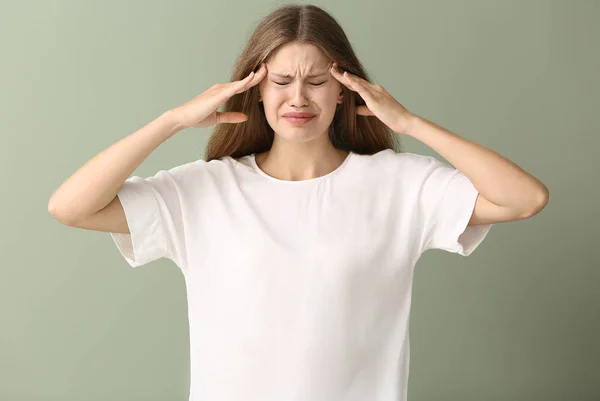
point(289, 76)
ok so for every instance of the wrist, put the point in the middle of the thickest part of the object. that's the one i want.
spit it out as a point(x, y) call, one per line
point(172, 123)
point(411, 124)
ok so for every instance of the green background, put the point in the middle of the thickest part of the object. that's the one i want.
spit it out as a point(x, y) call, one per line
point(516, 320)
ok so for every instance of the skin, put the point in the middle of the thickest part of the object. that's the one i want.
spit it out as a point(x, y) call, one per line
point(300, 152)
point(506, 191)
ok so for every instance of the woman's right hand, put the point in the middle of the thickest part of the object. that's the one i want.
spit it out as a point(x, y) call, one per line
point(202, 112)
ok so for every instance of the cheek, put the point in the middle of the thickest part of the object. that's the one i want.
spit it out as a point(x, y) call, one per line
point(331, 92)
point(272, 103)
point(328, 99)
point(270, 93)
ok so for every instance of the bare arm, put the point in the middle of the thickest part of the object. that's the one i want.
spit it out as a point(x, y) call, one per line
point(88, 199)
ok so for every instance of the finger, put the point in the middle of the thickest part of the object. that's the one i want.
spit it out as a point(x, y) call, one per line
point(337, 74)
point(351, 79)
point(355, 79)
point(347, 80)
point(259, 75)
point(242, 82)
point(234, 87)
point(245, 81)
point(364, 88)
point(230, 117)
point(358, 84)
point(251, 80)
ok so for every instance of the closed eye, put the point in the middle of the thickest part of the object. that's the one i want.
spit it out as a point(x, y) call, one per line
point(285, 83)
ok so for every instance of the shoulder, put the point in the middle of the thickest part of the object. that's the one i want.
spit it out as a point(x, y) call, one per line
point(401, 162)
point(200, 168)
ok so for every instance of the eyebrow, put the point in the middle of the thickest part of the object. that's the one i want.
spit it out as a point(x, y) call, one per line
point(289, 76)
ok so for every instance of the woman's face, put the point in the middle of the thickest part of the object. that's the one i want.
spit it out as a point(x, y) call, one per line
point(299, 81)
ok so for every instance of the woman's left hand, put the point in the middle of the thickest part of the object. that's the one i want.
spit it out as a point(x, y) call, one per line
point(379, 102)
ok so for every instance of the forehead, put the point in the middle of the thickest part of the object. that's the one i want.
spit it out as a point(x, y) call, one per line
point(295, 57)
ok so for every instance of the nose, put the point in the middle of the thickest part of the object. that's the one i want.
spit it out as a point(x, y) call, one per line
point(298, 96)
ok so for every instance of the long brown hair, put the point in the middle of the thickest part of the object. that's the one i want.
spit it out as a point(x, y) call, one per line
point(305, 24)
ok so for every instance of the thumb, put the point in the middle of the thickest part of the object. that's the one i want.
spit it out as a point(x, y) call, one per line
point(231, 117)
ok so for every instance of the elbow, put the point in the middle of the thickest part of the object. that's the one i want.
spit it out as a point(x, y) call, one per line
point(58, 213)
point(52, 209)
point(541, 201)
point(544, 196)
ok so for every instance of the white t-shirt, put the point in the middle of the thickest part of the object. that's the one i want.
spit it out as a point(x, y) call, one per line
point(299, 290)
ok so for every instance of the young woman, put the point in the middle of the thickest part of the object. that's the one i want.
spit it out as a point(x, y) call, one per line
point(299, 233)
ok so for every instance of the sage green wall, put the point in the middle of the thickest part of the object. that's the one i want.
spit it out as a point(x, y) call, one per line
point(517, 320)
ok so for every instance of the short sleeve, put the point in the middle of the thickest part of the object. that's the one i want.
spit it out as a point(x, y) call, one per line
point(446, 202)
point(153, 209)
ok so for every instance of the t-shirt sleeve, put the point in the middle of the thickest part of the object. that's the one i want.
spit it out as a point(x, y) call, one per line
point(446, 202)
point(153, 209)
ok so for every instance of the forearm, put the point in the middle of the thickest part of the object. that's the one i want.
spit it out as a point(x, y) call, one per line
point(98, 181)
point(498, 179)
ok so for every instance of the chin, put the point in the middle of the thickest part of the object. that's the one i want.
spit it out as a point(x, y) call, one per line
point(295, 134)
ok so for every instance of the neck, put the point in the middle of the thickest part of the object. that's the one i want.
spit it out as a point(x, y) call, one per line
point(297, 161)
